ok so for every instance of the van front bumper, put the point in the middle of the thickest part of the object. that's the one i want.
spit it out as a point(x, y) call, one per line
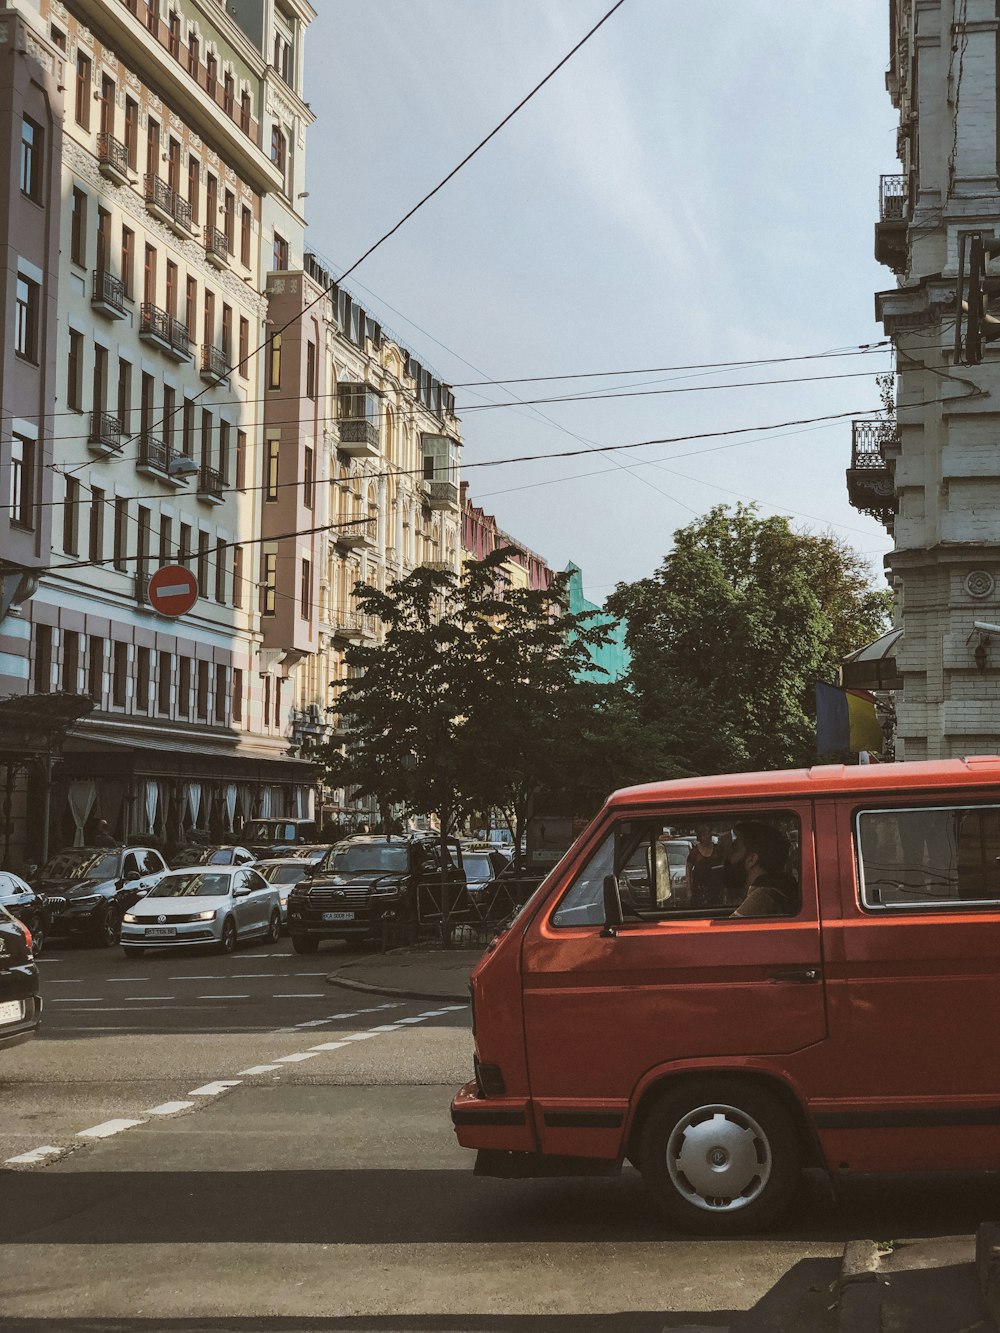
point(497, 1122)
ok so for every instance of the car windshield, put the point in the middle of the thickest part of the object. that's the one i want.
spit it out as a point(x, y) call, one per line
point(477, 865)
point(290, 873)
point(200, 884)
point(368, 856)
point(269, 830)
point(210, 856)
point(81, 865)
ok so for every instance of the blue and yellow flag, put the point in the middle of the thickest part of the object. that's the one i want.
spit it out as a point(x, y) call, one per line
point(846, 720)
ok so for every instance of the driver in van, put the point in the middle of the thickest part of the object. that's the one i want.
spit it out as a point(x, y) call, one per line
point(759, 854)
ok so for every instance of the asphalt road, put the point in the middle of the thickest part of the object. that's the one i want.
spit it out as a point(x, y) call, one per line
point(230, 1143)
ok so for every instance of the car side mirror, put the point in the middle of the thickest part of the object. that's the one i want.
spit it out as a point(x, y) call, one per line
point(612, 906)
point(241, 893)
point(131, 876)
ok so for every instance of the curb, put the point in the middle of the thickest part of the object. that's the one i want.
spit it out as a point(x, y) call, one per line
point(859, 1292)
point(348, 983)
point(988, 1266)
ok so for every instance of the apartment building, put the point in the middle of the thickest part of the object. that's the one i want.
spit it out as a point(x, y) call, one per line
point(482, 535)
point(155, 158)
point(933, 475)
point(367, 476)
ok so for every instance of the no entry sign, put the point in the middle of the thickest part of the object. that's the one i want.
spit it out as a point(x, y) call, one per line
point(172, 590)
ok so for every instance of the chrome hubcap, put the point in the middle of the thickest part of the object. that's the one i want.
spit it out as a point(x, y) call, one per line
point(718, 1158)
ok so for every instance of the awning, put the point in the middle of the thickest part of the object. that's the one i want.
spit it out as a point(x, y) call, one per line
point(32, 725)
point(874, 666)
point(131, 754)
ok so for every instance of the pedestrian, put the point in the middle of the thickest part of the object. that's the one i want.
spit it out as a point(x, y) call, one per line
point(705, 861)
point(102, 835)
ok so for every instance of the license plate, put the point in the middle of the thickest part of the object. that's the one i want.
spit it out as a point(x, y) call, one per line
point(161, 930)
point(338, 916)
point(11, 1011)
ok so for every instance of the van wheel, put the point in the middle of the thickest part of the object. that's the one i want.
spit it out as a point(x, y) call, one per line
point(720, 1157)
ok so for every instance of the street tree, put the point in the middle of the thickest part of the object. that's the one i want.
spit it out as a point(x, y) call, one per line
point(731, 633)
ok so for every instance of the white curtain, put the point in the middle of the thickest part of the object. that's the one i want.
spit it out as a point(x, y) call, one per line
point(152, 799)
point(265, 802)
point(230, 798)
point(208, 797)
point(192, 792)
point(82, 796)
point(300, 805)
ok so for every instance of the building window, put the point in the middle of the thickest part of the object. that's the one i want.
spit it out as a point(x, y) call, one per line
point(245, 112)
point(83, 68)
point(266, 719)
point(305, 591)
point(100, 381)
point(203, 695)
point(174, 164)
point(227, 331)
point(132, 133)
point(193, 52)
point(74, 372)
point(125, 396)
point(103, 239)
point(237, 694)
point(274, 363)
point(174, 34)
point(149, 276)
point(244, 352)
point(220, 571)
point(241, 460)
point(191, 306)
point(70, 662)
point(245, 227)
point(282, 54)
point(184, 545)
point(95, 670)
point(26, 303)
point(58, 38)
point(212, 76)
point(279, 151)
point(279, 258)
point(119, 673)
point(228, 95)
point(211, 200)
point(310, 370)
point(307, 477)
point(183, 687)
point(128, 260)
point(209, 338)
point(268, 582)
point(238, 577)
point(201, 564)
point(120, 547)
point(229, 220)
point(95, 551)
point(168, 423)
point(221, 692)
point(22, 482)
point(31, 159)
point(166, 539)
point(172, 281)
point(78, 228)
point(206, 437)
point(224, 433)
point(194, 186)
point(163, 672)
point(142, 663)
point(71, 517)
point(187, 428)
point(144, 530)
point(153, 16)
point(271, 470)
point(43, 659)
point(152, 147)
point(107, 121)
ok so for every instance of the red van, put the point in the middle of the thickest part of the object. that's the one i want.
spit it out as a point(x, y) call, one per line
point(819, 985)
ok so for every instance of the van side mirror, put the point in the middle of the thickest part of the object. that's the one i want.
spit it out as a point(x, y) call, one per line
point(612, 907)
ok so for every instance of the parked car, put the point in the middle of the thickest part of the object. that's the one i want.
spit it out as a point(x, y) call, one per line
point(215, 855)
point(22, 902)
point(313, 852)
point(88, 889)
point(285, 872)
point(482, 865)
point(218, 907)
point(20, 1002)
point(265, 836)
point(367, 880)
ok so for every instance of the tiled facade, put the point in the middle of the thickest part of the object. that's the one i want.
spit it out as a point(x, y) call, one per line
point(935, 481)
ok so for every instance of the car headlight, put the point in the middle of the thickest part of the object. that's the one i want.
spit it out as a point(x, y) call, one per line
point(130, 918)
point(207, 916)
point(388, 888)
point(85, 902)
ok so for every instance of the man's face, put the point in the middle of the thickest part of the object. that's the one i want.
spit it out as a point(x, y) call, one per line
point(741, 863)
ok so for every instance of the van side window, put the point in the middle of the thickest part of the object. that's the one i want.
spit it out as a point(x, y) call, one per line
point(931, 857)
point(722, 864)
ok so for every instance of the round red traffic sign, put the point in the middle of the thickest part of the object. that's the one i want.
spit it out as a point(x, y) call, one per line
point(172, 590)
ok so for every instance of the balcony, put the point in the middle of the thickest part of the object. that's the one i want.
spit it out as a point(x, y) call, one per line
point(211, 485)
point(346, 625)
point(155, 457)
point(361, 535)
point(112, 159)
point(440, 494)
point(167, 205)
point(870, 478)
point(108, 295)
point(358, 438)
point(214, 364)
point(142, 587)
point(891, 246)
point(217, 247)
point(170, 335)
point(105, 434)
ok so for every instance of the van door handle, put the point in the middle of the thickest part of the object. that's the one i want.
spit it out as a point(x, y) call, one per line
point(805, 976)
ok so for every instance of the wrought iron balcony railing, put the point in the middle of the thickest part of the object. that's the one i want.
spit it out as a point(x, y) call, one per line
point(112, 157)
point(167, 202)
point(105, 432)
point(211, 483)
point(214, 362)
point(169, 333)
point(358, 435)
point(217, 247)
point(893, 199)
point(870, 478)
point(154, 453)
point(109, 293)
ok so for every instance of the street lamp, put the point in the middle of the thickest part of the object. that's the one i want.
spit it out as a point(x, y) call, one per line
point(182, 466)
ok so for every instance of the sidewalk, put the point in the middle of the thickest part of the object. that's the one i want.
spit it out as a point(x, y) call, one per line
point(429, 973)
point(944, 1284)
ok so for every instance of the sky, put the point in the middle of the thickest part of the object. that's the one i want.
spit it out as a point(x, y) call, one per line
point(698, 184)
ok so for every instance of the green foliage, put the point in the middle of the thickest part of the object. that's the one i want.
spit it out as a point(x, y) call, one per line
point(730, 634)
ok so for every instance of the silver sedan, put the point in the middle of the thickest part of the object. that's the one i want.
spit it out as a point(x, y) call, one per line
point(217, 907)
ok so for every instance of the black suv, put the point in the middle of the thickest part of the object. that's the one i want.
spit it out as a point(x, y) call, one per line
point(89, 889)
point(366, 881)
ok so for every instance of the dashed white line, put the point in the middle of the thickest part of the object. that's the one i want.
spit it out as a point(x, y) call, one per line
point(168, 1108)
point(31, 1158)
point(63, 981)
point(329, 1046)
point(213, 1089)
point(116, 979)
point(296, 1057)
point(150, 997)
point(78, 999)
point(223, 997)
point(300, 995)
point(258, 1069)
point(106, 1130)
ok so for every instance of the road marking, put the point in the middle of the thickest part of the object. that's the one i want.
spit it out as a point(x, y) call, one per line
point(258, 1069)
point(114, 979)
point(64, 981)
point(387, 1027)
point(329, 1046)
point(294, 1059)
point(213, 1089)
point(168, 1108)
point(31, 1158)
point(223, 997)
point(78, 999)
point(214, 977)
point(409, 1020)
point(359, 1036)
point(50, 960)
point(300, 995)
point(151, 997)
point(106, 1130)
point(244, 976)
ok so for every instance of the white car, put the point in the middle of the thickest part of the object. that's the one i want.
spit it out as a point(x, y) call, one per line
point(219, 907)
point(284, 873)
